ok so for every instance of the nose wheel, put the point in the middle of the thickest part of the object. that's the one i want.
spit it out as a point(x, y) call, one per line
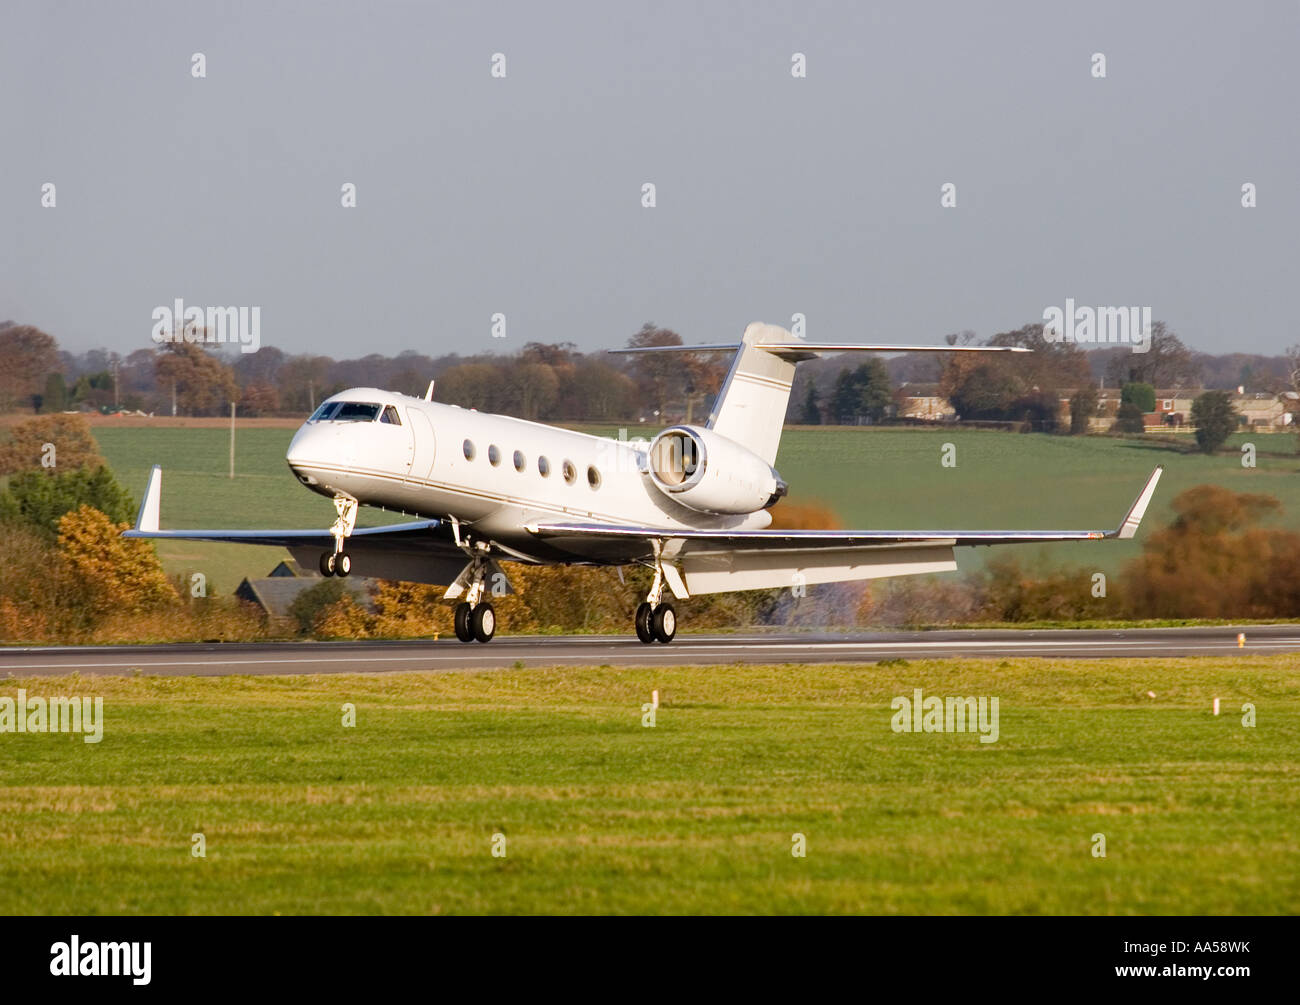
point(335, 565)
point(338, 562)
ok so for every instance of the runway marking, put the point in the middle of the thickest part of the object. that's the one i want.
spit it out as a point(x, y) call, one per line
point(666, 654)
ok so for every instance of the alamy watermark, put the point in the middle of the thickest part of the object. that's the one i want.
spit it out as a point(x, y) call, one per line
point(75, 958)
point(945, 715)
point(213, 326)
point(53, 715)
point(1098, 325)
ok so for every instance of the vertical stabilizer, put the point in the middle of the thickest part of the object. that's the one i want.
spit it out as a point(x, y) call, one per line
point(750, 409)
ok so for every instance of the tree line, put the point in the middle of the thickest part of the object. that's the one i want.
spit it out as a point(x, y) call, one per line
point(559, 383)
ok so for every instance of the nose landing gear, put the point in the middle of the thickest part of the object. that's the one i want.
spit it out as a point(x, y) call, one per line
point(338, 562)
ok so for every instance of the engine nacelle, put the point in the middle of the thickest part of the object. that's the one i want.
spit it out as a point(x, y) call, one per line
point(710, 473)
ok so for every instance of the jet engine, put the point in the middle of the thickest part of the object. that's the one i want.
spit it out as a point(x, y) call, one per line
point(710, 473)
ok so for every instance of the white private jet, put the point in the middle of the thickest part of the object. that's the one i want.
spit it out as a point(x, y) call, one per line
point(692, 504)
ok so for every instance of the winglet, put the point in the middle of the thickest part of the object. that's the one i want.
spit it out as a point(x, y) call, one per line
point(147, 518)
point(1129, 526)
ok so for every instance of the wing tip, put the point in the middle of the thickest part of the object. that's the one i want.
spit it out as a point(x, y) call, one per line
point(147, 519)
point(1128, 527)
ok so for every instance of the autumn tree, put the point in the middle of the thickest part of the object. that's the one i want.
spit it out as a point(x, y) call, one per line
point(27, 356)
point(203, 384)
point(29, 445)
point(1215, 561)
point(118, 574)
point(658, 375)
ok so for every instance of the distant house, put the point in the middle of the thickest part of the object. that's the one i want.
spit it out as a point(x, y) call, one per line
point(1264, 411)
point(922, 401)
point(1173, 406)
point(276, 593)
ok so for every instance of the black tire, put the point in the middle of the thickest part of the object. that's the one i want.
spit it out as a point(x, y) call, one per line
point(664, 623)
point(343, 564)
point(483, 622)
point(643, 630)
point(327, 563)
point(463, 630)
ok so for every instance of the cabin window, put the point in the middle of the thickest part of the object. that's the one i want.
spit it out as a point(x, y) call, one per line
point(593, 477)
point(570, 472)
point(544, 467)
point(494, 455)
point(520, 460)
point(355, 411)
point(390, 416)
point(469, 450)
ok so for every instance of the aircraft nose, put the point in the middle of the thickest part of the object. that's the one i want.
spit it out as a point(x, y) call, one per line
point(309, 448)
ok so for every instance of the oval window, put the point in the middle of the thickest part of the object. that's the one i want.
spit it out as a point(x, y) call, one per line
point(494, 455)
point(469, 450)
point(570, 472)
point(593, 477)
point(519, 460)
point(544, 466)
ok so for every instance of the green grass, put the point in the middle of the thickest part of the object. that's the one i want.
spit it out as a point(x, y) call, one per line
point(893, 479)
point(198, 492)
point(872, 478)
point(697, 814)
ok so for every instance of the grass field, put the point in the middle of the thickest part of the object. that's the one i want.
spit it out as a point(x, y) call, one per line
point(872, 478)
point(603, 815)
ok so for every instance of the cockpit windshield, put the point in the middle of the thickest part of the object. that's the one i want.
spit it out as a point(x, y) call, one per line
point(346, 411)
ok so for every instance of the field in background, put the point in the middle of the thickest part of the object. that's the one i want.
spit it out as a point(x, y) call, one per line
point(198, 492)
point(697, 814)
point(872, 478)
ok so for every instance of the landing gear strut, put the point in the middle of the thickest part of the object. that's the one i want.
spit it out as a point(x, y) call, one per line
point(474, 617)
point(338, 562)
point(656, 621)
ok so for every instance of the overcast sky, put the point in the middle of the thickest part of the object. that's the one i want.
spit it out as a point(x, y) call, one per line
point(523, 195)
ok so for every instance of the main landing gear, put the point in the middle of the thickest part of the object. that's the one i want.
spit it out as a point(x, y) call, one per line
point(338, 562)
point(656, 621)
point(475, 622)
point(474, 618)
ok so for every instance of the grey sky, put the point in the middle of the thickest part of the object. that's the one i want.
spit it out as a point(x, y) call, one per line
point(775, 195)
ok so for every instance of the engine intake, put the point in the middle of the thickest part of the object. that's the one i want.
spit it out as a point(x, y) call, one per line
point(710, 473)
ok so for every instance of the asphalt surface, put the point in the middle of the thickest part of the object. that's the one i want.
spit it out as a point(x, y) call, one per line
point(218, 659)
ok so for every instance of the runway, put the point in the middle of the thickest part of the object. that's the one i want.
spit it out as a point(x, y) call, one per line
point(221, 659)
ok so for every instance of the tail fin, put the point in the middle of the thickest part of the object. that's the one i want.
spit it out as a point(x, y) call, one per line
point(750, 409)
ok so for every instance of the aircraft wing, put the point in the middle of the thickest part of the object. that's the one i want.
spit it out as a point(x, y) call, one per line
point(422, 551)
point(720, 560)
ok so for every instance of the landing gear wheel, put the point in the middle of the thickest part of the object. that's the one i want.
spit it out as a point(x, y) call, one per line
point(664, 623)
point(463, 630)
point(327, 563)
point(643, 630)
point(342, 564)
point(483, 622)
